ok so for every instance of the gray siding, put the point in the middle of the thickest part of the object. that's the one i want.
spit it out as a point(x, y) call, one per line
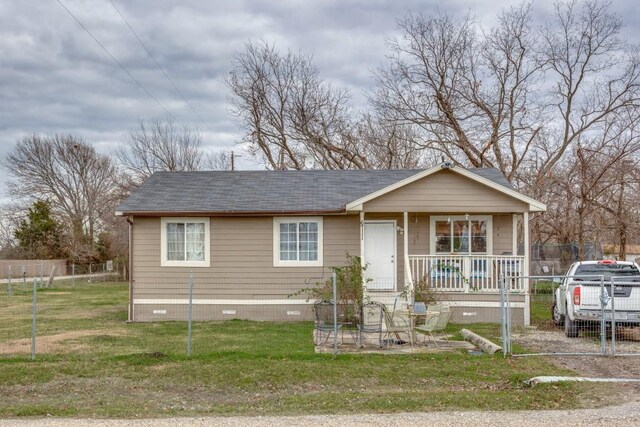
point(241, 260)
point(502, 234)
point(445, 191)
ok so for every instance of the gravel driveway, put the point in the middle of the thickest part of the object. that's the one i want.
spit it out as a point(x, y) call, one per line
point(554, 340)
point(623, 415)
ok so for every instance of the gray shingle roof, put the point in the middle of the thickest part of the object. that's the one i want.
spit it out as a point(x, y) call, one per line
point(266, 191)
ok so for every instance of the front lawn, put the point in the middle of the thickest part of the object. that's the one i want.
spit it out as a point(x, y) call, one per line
point(92, 363)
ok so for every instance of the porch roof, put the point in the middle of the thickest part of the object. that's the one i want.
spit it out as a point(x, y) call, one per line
point(273, 192)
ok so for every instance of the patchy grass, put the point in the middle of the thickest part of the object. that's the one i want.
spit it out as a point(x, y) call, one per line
point(100, 366)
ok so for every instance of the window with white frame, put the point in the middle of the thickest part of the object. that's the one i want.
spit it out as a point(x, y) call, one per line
point(461, 234)
point(185, 242)
point(297, 242)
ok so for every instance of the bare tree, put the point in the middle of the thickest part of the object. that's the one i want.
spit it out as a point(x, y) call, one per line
point(467, 96)
point(597, 75)
point(69, 174)
point(160, 145)
point(387, 145)
point(513, 95)
point(288, 112)
point(588, 189)
point(220, 161)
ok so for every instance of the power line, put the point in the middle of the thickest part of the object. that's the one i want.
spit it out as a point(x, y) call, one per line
point(156, 62)
point(114, 58)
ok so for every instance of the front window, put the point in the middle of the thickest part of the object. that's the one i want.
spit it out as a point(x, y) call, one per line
point(185, 242)
point(298, 241)
point(454, 234)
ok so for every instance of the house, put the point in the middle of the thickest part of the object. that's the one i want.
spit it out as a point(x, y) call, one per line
point(253, 239)
point(611, 251)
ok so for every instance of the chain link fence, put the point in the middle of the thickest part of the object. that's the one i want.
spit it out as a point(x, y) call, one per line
point(39, 304)
point(575, 315)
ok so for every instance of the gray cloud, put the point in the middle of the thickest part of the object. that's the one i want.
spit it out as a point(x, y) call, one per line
point(55, 79)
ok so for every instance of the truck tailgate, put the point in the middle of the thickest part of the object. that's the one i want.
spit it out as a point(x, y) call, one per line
point(627, 295)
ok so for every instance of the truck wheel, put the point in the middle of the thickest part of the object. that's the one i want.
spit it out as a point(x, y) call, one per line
point(558, 318)
point(570, 327)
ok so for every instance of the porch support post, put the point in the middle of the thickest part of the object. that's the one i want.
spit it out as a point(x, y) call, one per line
point(362, 264)
point(408, 283)
point(527, 297)
point(514, 235)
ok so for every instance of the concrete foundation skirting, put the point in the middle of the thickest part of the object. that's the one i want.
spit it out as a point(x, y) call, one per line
point(150, 310)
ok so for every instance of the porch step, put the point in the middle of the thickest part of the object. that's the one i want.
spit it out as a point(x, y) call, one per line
point(388, 299)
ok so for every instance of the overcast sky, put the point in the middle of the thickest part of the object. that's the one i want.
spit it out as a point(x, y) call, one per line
point(54, 78)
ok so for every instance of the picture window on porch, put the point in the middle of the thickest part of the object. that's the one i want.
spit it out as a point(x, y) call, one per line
point(297, 242)
point(459, 234)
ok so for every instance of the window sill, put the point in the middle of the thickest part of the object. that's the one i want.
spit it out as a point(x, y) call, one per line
point(297, 264)
point(197, 264)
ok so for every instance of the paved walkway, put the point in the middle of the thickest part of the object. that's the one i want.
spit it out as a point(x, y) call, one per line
point(627, 414)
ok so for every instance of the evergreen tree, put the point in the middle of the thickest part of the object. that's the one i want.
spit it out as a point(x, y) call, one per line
point(39, 235)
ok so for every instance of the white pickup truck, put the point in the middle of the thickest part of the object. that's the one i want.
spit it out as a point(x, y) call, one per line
point(577, 301)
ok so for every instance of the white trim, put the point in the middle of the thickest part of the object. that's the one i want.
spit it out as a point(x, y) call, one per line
point(395, 251)
point(534, 205)
point(408, 283)
point(514, 234)
point(432, 231)
point(276, 241)
point(525, 228)
point(204, 301)
point(211, 301)
point(119, 213)
point(164, 262)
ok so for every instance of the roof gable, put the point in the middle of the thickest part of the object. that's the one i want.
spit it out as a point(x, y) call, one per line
point(474, 175)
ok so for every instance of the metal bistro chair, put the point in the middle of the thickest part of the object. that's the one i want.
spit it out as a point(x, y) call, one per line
point(324, 325)
point(435, 323)
point(397, 324)
point(371, 321)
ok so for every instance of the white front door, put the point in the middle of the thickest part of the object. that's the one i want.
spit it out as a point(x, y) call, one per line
point(380, 254)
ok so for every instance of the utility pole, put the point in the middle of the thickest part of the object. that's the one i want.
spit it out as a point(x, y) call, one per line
point(233, 160)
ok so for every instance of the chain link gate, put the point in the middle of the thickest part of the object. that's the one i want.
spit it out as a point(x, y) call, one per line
point(609, 324)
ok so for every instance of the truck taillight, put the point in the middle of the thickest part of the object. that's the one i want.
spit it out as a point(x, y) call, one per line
point(576, 295)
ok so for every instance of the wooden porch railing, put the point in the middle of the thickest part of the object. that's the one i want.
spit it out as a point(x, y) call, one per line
point(465, 273)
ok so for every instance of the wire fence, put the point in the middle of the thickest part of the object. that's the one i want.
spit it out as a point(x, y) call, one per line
point(39, 303)
point(575, 316)
point(46, 317)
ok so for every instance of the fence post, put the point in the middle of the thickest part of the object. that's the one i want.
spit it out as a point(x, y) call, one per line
point(613, 317)
point(104, 272)
point(603, 322)
point(24, 278)
point(90, 272)
point(9, 289)
point(42, 276)
point(503, 324)
point(190, 316)
point(335, 315)
point(33, 319)
point(507, 311)
point(73, 274)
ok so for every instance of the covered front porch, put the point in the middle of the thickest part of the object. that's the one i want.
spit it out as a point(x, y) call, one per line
point(461, 258)
point(453, 230)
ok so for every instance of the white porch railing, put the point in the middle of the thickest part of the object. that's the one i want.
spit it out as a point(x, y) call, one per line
point(464, 273)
